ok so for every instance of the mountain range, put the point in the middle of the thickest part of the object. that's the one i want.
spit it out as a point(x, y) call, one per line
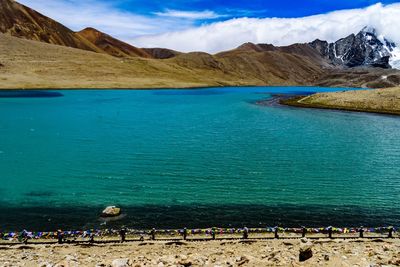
point(38, 52)
point(362, 49)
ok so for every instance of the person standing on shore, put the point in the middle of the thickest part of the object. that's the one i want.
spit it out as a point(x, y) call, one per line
point(122, 234)
point(245, 233)
point(60, 237)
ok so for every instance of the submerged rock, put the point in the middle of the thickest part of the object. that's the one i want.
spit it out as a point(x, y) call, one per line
point(111, 211)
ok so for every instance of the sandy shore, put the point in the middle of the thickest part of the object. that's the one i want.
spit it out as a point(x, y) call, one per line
point(326, 252)
point(385, 101)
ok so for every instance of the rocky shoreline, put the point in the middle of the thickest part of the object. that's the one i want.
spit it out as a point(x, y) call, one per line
point(285, 252)
point(277, 100)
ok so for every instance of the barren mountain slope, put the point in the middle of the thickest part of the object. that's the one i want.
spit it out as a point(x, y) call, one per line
point(360, 77)
point(283, 68)
point(21, 21)
point(31, 64)
point(161, 53)
point(111, 45)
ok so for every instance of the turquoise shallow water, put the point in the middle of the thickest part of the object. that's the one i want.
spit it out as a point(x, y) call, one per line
point(208, 157)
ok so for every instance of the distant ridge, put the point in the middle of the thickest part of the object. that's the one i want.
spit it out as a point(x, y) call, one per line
point(297, 49)
point(363, 49)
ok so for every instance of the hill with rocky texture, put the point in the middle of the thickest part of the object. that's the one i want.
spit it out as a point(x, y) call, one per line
point(362, 49)
point(161, 53)
point(110, 45)
point(35, 65)
point(23, 22)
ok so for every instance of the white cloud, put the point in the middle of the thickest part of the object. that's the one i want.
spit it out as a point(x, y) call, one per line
point(103, 15)
point(279, 31)
point(206, 14)
point(176, 29)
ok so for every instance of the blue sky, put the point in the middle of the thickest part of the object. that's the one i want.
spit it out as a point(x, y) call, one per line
point(216, 25)
point(250, 8)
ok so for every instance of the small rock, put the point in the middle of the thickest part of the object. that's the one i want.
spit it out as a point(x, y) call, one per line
point(242, 260)
point(183, 257)
point(67, 264)
point(304, 240)
point(121, 263)
point(326, 257)
point(70, 258)
point(395, 262)
point(160, 264)
point(185, 263)
point(305, 250)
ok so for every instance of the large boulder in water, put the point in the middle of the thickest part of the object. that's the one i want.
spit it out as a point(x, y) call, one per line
point(111, 211)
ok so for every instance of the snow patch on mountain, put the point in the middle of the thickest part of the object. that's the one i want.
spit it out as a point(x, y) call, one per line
point(394, 60)
point(393, 50)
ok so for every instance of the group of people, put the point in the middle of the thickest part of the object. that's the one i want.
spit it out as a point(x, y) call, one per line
point(65, 237)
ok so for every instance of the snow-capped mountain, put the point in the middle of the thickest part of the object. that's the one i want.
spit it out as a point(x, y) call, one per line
point(366, 48)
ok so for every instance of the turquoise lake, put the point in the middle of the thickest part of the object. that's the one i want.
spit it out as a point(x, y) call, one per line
point(205, 157)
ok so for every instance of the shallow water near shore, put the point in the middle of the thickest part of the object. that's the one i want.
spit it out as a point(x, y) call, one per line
point(205, 157)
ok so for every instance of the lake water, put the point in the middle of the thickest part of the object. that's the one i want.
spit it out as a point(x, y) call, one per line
point(195, 158)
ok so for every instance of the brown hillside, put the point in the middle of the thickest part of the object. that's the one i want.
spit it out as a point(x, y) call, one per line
point(111, 45)
point(24, 22)
point(304, 50)
point(35, 65)
point(161, 53)
point(32, 64)
point(281, 67)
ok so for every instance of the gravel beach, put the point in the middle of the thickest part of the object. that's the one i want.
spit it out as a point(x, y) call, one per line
point(326, 252)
